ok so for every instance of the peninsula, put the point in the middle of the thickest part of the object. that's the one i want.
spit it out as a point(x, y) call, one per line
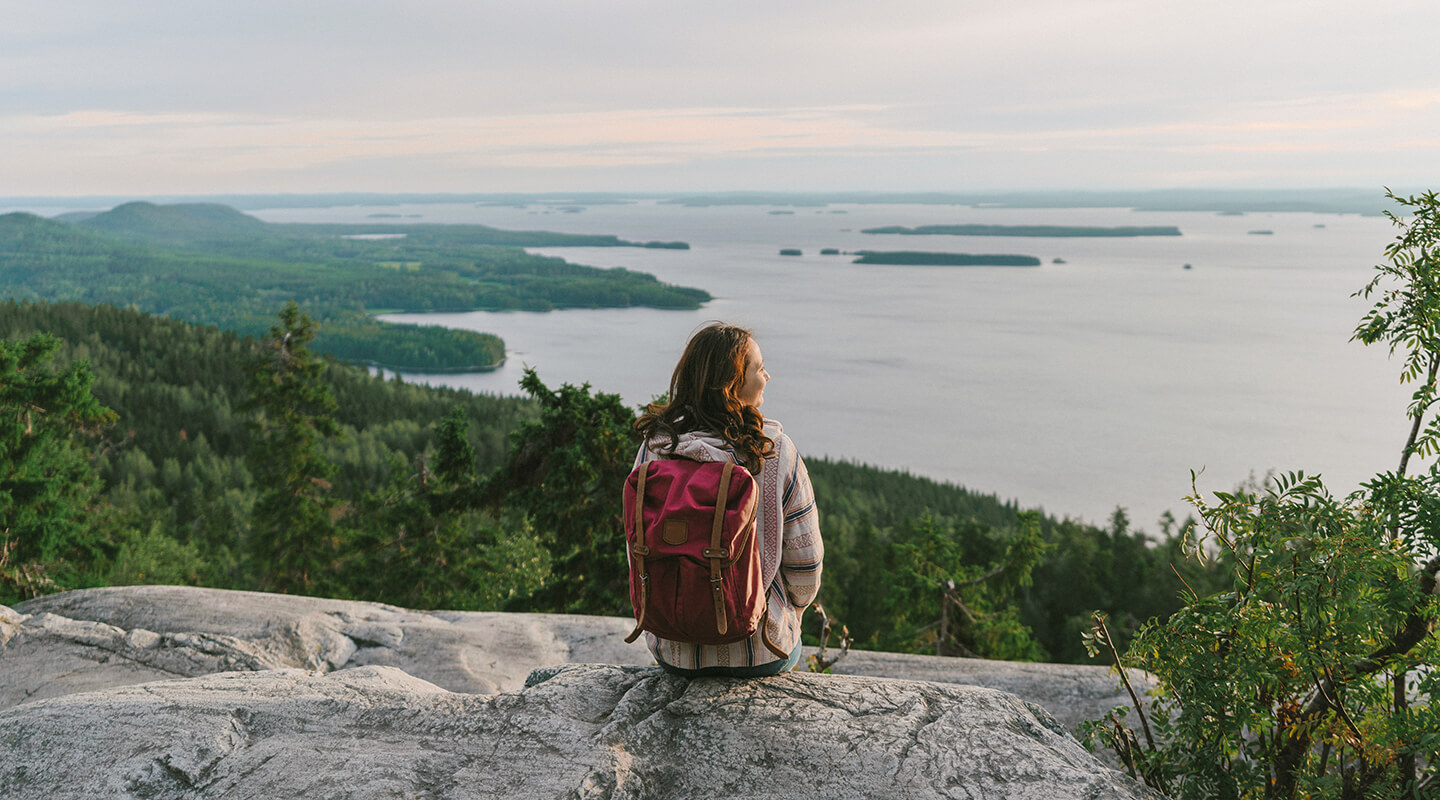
point(213, 265)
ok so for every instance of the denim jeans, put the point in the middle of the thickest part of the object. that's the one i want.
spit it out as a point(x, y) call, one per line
point(758, 671)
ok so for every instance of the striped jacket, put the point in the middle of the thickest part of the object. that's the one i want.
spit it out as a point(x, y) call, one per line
point(790, 550)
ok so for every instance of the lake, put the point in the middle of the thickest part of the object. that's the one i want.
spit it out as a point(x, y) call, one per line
point(1075, 387)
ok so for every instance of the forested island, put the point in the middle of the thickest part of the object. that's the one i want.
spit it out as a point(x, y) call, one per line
point(212, 264)
point(1039, 231)
point(923, 259)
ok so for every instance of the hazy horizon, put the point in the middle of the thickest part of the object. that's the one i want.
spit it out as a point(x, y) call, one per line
point(1336, 200)
point(565, 96)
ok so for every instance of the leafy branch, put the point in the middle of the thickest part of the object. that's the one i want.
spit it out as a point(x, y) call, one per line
point(1298, 680)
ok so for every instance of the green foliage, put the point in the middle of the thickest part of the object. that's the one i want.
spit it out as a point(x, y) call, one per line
point(565, 471)
point(426, 542)
point(177, 459)
point(292, 537)
point(153, 557)
point(1270, 686)
point(47, 484)
point(1313, 673)
point(1124, 573)
point(866, 513)
point(1407, 314)
point(454, 455)
point(421, 544)
point(940, 600)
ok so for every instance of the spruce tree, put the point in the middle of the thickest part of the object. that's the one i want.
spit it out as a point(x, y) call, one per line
point(47, 484)
point(565, 471)
point(293, 537)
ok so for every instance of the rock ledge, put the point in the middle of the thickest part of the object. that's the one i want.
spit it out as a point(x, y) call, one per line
point(577, 731)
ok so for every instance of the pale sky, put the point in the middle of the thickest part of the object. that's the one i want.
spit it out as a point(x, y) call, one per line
point(216, 96)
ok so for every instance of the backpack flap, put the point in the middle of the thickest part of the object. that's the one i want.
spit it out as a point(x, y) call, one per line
point(695, 573)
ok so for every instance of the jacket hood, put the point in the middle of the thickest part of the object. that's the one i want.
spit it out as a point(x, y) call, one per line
point(700, 446)
point(695, 446)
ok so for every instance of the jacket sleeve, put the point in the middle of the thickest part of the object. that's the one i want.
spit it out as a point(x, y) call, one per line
point(802, 550)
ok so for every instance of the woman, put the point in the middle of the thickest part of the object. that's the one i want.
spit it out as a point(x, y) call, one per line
point(713, 414)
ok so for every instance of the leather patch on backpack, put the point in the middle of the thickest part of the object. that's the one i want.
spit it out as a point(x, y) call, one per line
point(676, 531)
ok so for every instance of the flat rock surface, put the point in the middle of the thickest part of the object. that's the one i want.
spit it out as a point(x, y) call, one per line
point(578, 731)
point(118, 636)
point(1072, 693)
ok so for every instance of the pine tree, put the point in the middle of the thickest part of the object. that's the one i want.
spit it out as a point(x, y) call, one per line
point(565, 470)
point(47, 483)
point(293, 537)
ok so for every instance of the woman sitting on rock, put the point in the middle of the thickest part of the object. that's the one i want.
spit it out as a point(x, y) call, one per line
point(713, 414)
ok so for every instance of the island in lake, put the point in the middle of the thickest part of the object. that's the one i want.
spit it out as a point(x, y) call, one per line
point(919, 259)
point(1047, 231)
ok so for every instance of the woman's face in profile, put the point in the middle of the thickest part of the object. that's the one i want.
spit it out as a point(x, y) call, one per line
point(752, 390)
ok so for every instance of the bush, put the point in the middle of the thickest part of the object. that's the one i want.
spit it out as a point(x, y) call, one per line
point(1313, 674)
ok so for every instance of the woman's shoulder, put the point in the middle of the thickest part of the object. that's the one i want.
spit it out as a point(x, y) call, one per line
point(783, 446)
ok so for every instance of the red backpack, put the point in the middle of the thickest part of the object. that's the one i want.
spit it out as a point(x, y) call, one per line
point(695, 562)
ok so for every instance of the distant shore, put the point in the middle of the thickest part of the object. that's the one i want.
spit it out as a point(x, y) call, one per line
point(1041, 231)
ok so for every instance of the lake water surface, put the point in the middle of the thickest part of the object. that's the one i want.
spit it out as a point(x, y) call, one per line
point(1075, 387)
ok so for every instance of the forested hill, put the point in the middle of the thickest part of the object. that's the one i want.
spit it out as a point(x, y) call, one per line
point(213, 265)
point(525, 516)
point(220, 227)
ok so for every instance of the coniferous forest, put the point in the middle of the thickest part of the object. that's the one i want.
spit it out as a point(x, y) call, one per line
point(437, 498)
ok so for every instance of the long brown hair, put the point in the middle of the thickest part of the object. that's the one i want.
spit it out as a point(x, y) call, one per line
point(705, 396)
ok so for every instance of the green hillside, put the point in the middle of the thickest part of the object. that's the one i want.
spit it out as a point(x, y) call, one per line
point(210, 264)
point(212, 226)
point(181, 224)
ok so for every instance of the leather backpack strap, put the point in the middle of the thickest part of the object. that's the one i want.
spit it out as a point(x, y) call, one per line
point(638, 551)
point(716, 552)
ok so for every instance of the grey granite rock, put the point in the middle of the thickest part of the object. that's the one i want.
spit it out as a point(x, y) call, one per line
point(578, 731)
point(118, 636)
point(1072, 693)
